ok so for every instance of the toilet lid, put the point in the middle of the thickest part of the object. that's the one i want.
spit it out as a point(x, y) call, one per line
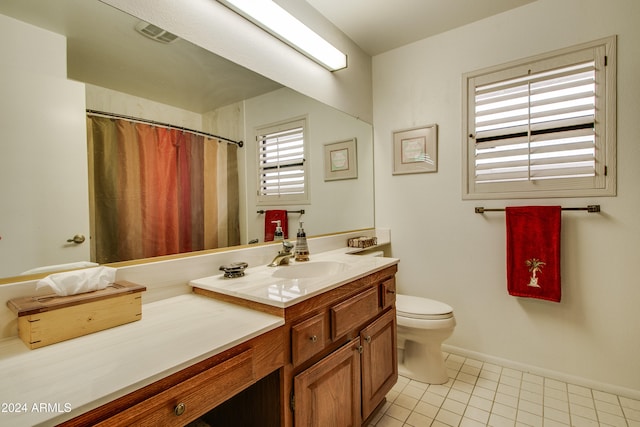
point(422, 308)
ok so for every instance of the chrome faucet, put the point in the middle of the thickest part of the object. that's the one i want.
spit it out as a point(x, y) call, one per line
point(284, 255)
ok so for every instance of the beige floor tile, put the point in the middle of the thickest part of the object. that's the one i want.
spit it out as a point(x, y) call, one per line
point(485, 394)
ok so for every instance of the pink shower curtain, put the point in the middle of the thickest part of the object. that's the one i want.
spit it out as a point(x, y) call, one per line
point(156, 191)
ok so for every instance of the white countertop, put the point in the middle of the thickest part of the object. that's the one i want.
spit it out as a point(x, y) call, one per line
point(58, 382)
point(262, 284)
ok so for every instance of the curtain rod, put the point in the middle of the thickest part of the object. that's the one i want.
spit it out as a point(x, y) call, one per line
point(590, 209)
point(166, 125)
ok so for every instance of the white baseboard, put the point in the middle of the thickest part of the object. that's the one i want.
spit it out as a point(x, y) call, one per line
point(535, 370)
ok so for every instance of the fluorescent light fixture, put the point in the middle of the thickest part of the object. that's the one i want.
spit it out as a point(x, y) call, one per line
point(280, 23)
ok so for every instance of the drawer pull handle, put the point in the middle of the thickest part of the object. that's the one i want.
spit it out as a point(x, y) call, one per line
point(368, 338)
point(313, 338)
point(391, 291)
point(179, 409)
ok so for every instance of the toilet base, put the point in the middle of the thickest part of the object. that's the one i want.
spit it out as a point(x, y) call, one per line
point(424, 363)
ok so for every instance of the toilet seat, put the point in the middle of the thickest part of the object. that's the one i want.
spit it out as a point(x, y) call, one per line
point(422, 308)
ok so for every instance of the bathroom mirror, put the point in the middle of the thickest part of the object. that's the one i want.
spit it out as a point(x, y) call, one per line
point(115, 68)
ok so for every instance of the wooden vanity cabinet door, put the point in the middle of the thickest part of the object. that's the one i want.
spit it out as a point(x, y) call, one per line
point(328, 393)
point(188, 400)
point(379, 361)
point(307, 338)
point(351, 313)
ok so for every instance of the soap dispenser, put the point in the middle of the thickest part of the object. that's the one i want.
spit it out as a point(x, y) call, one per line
point(278, 234)
point(302, 249)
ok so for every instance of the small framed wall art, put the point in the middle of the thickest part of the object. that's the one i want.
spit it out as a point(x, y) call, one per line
point(340, 160)
point(415, 150)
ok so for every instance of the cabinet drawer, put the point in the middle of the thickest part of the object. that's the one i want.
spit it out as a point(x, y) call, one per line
point(188, 400)
point(308, 338)
point(388, 291)
point(353, 312)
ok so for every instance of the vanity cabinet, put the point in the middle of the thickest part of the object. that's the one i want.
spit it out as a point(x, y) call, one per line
point(192, 392)
point(361, 372)
point(189, 399)
point(340, 378)
point(342, 358)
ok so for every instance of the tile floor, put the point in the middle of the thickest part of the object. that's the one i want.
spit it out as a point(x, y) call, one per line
point(484, 394)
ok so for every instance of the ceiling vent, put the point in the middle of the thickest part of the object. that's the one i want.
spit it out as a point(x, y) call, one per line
point(155, 33)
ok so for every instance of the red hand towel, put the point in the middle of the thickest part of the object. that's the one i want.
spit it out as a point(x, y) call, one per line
point(270, 226)
point(533, 251)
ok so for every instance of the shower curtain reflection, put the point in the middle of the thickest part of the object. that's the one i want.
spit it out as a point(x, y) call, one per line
point(159, 191)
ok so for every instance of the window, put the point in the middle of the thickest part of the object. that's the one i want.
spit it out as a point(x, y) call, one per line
point(543, 127)
point(281, 163)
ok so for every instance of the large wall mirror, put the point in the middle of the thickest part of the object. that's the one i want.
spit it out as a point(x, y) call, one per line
point(65, 57)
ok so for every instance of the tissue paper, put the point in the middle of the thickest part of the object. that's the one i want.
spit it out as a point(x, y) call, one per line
point(79, 281)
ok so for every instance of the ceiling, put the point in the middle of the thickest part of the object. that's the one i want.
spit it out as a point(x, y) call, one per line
point(381, 25)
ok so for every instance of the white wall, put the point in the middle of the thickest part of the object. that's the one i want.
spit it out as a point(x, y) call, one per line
point(451, 254)
point(48, 51)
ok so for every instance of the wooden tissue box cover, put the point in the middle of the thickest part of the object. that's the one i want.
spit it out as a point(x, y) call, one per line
point(49, 319)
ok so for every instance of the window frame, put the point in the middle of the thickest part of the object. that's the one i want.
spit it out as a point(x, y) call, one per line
point(270, 129)
point(603, 183)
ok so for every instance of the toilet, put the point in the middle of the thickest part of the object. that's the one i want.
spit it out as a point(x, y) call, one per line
point(423, 324)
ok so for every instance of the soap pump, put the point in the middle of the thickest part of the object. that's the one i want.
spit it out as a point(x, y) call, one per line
point(302, 249)
point(278, 234)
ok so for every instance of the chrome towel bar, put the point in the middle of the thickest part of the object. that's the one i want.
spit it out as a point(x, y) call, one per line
point(301, 211)
point(590, 209)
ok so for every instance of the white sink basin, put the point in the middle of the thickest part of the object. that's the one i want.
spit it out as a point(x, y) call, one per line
point(309, 270)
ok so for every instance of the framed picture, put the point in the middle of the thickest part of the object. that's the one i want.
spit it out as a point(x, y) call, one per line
point(415, 150)
point(340, 160)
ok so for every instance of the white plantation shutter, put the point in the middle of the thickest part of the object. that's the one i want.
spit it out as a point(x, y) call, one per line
point(539, 128)
point(281, 157)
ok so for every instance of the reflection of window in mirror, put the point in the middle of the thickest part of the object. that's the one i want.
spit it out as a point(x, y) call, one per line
point(281, 162)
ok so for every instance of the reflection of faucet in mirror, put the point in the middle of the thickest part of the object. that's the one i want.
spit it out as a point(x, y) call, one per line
point(284, 255)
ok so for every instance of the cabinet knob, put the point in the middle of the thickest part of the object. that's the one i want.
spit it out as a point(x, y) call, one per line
point(368, 338)
point(313, 338)
point(179, 409)
point(391, 291)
